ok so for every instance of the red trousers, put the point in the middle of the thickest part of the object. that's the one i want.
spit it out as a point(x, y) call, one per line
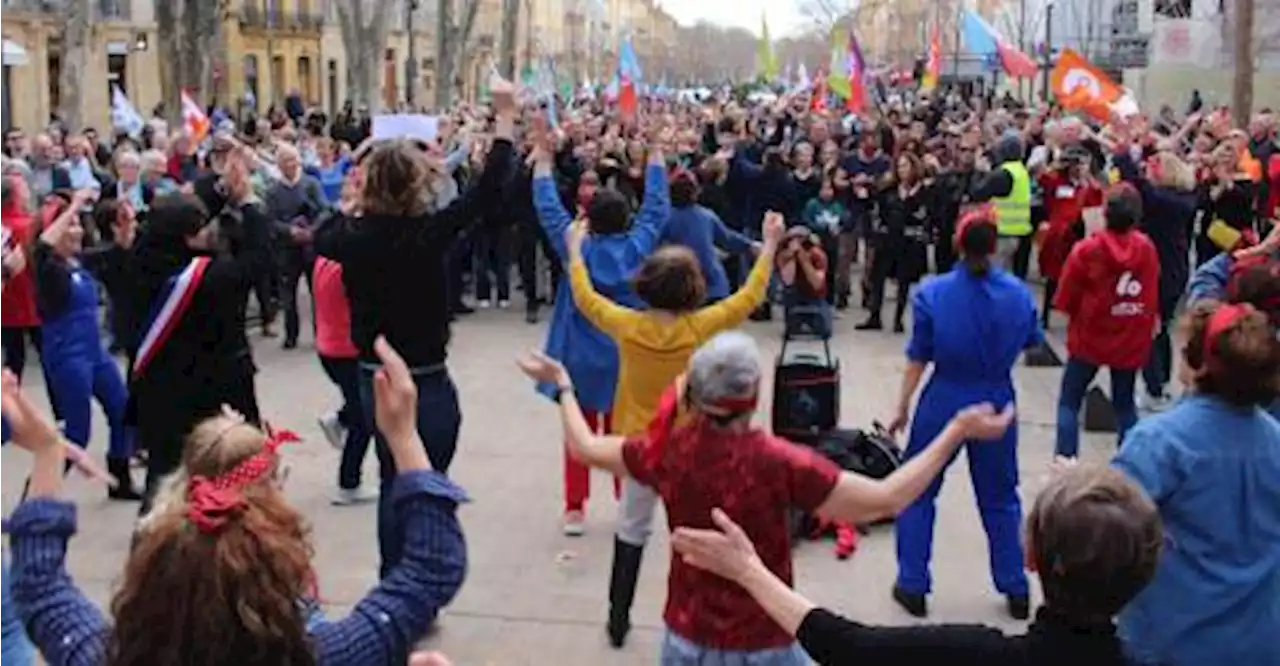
point(577, 476)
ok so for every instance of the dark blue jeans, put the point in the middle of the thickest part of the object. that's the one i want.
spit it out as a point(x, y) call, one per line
point(439, 420)
point(345, 373)
point(1076, 377)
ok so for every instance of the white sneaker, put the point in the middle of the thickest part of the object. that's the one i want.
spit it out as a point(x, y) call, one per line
point(352, 496)
point(574, 524)
point(484, 304)
point(504, 304)
point(333, 430)
point(1157, 403)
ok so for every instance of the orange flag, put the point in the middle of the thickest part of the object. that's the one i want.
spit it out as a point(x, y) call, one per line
point(1080, 85)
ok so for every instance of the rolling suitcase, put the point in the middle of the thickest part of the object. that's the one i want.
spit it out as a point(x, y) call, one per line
point(806, 392)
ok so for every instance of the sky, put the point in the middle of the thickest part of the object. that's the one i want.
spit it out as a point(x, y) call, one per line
point(783, 16)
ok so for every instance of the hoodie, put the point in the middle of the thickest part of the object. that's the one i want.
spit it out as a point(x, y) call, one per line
point(591, 356)
point(1110, 291)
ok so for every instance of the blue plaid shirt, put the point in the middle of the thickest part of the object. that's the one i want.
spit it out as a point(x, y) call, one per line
point(70, 631)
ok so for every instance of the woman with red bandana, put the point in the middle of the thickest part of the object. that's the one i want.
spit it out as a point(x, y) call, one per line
point(697, 449)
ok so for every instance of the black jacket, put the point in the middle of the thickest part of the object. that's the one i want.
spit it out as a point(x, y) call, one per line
point(1050, 641)
point(395, 269)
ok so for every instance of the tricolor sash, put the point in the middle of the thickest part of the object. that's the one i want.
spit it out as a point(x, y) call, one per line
point(172, 303)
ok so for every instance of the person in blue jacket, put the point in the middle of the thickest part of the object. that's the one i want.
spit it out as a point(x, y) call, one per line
point(702, 231)
point(972, 324)
point(612, 253)
point(76, 363)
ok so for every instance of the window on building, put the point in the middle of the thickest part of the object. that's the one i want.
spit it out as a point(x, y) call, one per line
point(333, 88)
point(117, 73)
point(251, 80)
point(55, 73)
point(277, 78)
point(390, 90)
point(304, 79)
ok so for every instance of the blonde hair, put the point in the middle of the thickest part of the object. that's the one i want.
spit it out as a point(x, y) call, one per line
point(399, 180)
point(1175, 173)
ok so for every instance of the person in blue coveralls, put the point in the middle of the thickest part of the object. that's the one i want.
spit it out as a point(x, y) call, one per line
point(76, 363)
point(971, 324)
point(613, 252)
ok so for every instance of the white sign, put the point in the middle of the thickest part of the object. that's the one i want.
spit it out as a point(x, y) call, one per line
point(406, 125)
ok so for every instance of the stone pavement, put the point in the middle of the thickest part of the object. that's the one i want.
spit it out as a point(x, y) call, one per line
point(533, 596)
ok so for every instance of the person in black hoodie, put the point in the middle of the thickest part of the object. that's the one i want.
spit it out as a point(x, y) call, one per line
point(394, 261)
point(191, 361)
point(1093, 535)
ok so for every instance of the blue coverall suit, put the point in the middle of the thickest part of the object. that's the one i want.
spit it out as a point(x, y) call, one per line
point(76, 364)
point(972, 328)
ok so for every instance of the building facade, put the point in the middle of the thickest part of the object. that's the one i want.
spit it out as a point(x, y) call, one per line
point(122, 52)
point(274, 50)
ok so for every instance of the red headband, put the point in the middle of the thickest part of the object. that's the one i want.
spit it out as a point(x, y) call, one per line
point(985, 214)
point(665, 416)
point(212, 502)
point(1222, 319)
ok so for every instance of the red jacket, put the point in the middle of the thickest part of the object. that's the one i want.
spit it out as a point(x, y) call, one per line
point(1110, 290)
point(18, 302)
point(1064, 202)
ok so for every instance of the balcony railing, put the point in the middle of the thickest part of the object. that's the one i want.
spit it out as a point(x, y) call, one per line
point(113, 10)
point(252, 16)
point(307, 20)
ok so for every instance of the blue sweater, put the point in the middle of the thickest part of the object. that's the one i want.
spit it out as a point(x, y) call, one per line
point(591, 356)
point(702, 231)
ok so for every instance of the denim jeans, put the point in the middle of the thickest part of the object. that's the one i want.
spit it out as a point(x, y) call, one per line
point(345, 373)
point(1159, 368)
point(1076, 377)
point(678, 651)
point(439, 420)
point(16, 650)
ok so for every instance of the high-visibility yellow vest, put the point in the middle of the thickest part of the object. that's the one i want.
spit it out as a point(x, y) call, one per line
point(1013, 212)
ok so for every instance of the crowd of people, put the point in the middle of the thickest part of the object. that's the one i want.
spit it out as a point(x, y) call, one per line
point(659, 231)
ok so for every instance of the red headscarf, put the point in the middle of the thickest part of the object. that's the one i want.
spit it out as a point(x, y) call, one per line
point(211, 502)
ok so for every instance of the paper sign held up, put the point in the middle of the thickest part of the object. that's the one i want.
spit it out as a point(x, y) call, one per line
point(406, 126)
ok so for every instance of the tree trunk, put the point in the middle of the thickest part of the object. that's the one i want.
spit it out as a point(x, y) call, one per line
point(74, 63)
point(510, 34)
point(364, 38)
point(171, 38)
point(451, 45)
point(1242, 85)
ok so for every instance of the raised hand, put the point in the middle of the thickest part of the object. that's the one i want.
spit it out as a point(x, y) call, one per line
point(575, 235)
point(395, 396)
point(542, 368)
point(774, 227)
point(503, 95)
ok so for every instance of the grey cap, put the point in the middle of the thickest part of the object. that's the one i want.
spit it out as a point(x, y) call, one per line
point(724, 368)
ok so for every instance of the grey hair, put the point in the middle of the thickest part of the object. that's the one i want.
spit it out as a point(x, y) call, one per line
point(154, 159)
point(725, 367)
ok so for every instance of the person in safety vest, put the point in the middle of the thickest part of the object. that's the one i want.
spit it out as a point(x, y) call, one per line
point(1008, 186)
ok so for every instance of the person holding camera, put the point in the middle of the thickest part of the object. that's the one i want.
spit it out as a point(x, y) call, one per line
point(802, 267)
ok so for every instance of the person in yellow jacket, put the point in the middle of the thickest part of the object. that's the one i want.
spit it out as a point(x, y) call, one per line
point(1008, 187)
point(654, 347)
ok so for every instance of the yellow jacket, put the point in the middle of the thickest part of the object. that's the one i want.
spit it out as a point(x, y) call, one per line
point(653, 348)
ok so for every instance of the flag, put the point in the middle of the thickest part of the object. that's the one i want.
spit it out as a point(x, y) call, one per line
point(848, 72)
point(628, 78)
point(123, 115)
point(983, 40)
point(803, 84)
point(839, 69)
point(766, 62)
point(1080, 86)
point(193, 118)
point(933, 63)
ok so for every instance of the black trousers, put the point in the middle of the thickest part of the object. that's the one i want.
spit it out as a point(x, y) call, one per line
point(13, 341)
point(882, 266)
point(165, 418)
point(294, 268)
point(530, 236)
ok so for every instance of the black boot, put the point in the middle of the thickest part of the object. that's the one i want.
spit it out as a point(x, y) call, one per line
point(916, 605)
point(871, 324)
point(123, 490)
point(622, 589)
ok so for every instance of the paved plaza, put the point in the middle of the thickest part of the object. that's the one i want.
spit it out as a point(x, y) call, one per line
point(533, 596)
